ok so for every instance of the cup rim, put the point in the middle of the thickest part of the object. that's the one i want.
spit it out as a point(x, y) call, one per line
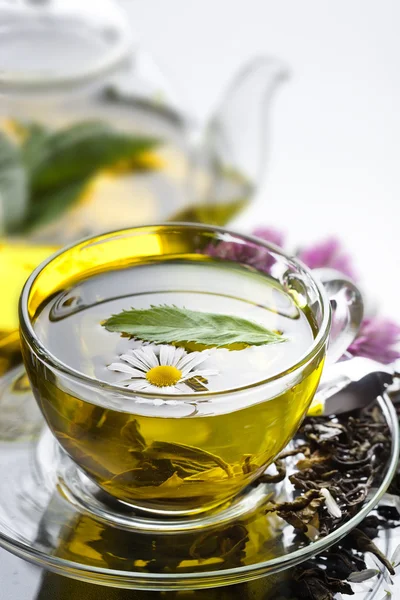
point(49, 360)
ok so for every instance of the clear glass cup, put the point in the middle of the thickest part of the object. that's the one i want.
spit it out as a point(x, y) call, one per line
point(96, 423)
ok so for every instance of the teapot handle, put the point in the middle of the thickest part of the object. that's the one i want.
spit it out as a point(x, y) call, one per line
point(347, 311)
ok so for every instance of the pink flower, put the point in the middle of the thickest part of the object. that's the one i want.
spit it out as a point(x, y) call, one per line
point(245, 253)
point(248, 253)
point(327, 254)
point(268, 234)
point(377, 339)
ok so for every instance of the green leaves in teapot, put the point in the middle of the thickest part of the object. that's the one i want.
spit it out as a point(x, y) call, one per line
point(43, 173)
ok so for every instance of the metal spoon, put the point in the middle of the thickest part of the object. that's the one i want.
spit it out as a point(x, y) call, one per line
point(350, 385)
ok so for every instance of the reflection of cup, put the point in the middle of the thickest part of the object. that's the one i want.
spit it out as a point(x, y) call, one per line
point(175, 456)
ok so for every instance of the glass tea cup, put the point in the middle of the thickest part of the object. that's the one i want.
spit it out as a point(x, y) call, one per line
point(183, 453)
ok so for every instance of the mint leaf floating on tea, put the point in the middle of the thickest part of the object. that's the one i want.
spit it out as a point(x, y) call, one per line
point(170, 324)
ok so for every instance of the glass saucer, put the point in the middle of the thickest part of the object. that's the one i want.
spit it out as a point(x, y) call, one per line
point(52, 515)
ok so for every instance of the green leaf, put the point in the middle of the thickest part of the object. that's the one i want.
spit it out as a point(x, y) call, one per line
point(13, 185)
point(195, 458)
point(170, 324)
point(59, 165)
point(34, 148)
point(78, 152)
point(52, 205)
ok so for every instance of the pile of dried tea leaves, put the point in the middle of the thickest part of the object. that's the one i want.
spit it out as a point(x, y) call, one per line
point(338, 462)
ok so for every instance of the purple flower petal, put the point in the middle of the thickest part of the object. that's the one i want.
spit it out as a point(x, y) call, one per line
point(268, 234)
point(245, 253)
point(328, 254)
point(378, 339)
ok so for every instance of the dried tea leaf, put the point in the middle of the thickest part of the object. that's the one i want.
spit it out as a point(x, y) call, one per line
point(181, 453)
point(301, 518)
point(340, 562)
point(301, 511)
point(315, 584)
point(248, 465)
point(187, 469)
point(365, 544)
point(172, 482)
point(299, 450)
point(88, 457)
point(323, 432)
point(147, 474)
point(211, 474)
point(224, 543)
point(300, 502)
point(316, 458)
point(279, 475)
point(130, 433)
point(197, 384)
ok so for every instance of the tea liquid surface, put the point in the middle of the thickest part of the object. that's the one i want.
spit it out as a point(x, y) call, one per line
point(70, 325)
point(182, 456)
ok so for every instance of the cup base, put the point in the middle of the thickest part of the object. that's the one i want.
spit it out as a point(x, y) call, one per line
point(85, 495)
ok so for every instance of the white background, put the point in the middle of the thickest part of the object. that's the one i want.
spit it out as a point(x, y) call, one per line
point(334, 163)
point(335, 152)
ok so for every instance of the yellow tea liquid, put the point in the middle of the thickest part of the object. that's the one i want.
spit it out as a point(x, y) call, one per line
point(183, 455)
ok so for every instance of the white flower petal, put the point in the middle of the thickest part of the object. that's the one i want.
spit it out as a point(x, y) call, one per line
point(141, 356)
point(141, 360)
point(151, 356)
point(178, 354)
point(185, 361)
point(127, 369)
point(166, 355)
point(191, 366)
point(182, 387)
point(192, 360)
point(139, 384)
point(208, 372)
point(154, 389)
point(134, 360)
point(331, 504)
point(199, 373)
point(171, 389)
point(123, 368)
point(125, 382)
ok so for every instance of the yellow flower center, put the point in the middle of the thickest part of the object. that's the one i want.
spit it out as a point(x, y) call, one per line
point(163, 376)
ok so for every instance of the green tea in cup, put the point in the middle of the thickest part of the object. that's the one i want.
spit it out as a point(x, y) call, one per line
point(171, 375)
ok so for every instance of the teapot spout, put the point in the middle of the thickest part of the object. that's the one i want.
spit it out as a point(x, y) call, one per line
point(230, 159)
point(238, 130)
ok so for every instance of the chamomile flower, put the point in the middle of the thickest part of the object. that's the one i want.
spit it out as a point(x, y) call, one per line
point(163, 369)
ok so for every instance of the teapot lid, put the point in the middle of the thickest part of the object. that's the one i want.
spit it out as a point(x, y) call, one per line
point(46, 43)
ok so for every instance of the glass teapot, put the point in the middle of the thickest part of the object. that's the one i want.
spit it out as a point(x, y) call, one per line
point(103, 141)
point(93, 139)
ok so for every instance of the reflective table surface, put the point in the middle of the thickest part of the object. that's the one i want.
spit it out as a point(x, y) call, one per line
point(22, 581)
